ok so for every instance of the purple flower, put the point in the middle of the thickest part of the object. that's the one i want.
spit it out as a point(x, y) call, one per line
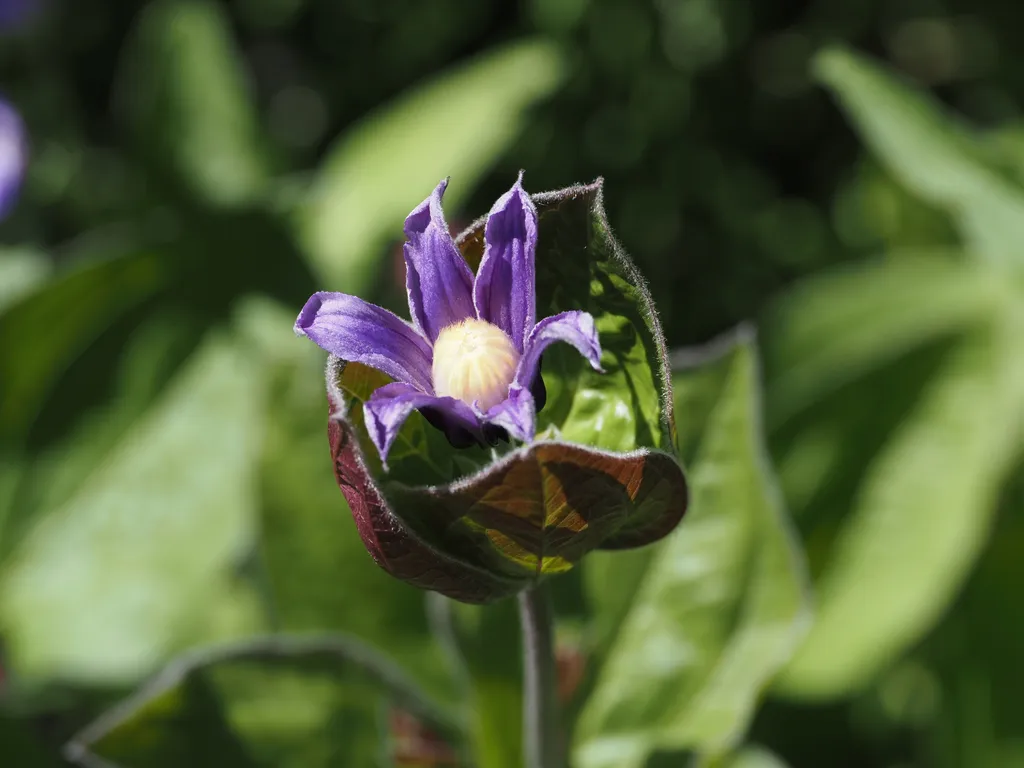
point(469, 361)
point(13, 156)
point(14, 12)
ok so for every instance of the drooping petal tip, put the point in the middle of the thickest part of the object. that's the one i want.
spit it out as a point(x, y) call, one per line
point(416, 222)
point(358, 331)
point(308, 313)
point(576, 328)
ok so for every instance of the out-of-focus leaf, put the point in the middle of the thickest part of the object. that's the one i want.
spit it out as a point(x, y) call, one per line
point(697, 386)
point(12, 470)
point(103, 587)
point(486, 640)
point(830, 329)
point(921, 517)
point(455, 125)
point(20, 748)
point(874, 212)
point(317, 572)
point(42, 330)
point(931, 152)
point(182, 90)
point(613, 578)
point(580, 266)
point(751, 757)
point(146, 362)
point(718, 611)
point(972, 659)
point(278, 702)
point(21, 270)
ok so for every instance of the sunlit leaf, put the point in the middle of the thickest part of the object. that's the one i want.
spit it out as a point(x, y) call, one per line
point(931, 152)
point(751, 757)
point(455, 125)
point(310, 550)
point(920, 519)
point(717, 611)
point(830, 329)
point(104, 586)
point(183, 92)
point(21, 270)
point(53, 475)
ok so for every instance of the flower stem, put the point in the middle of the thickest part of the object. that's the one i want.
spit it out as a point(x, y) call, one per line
point(541, 734)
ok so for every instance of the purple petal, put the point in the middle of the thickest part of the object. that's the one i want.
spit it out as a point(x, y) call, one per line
point(437, 278)
point(505, 292)
point(361, 332)
point(13, 155)
point(517, 414)
point(14, 12)
point(576, 328)
point(389, 407)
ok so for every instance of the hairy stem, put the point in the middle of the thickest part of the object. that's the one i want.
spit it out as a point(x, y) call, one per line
point(540, 680)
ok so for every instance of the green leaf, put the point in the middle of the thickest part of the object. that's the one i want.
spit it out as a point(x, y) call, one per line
point(931, 152)
point(310, 550)
point(145, 361)
point(969, 664)
point(278, 702)
point(455, 125)
point(104, 586)
point(580, 266)
point(44, 329)
point(718, 610)
point(535, 512)
point(751, 757)
point(697, 386)
point(920, 519)
point(182, 91)
point(486, 639)
point(21, 748)
point(831, 329)
point(21, 270)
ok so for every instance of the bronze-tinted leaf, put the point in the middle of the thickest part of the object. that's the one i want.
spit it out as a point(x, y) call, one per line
point(534, 512)
point(477, 525)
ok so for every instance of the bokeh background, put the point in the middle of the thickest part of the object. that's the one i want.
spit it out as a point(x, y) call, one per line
point(196, 169)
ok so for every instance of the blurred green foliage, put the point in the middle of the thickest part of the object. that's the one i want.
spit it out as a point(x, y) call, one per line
point(199, 168)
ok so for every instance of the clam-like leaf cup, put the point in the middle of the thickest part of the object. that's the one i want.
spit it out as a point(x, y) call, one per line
point(480, 524)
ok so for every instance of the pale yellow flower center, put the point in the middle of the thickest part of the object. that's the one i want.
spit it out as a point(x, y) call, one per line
point(474, 361)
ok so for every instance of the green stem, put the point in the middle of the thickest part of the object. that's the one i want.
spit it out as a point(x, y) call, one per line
point(541, 735)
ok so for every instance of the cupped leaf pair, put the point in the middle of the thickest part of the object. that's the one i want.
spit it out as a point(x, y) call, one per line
point(471, 516)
